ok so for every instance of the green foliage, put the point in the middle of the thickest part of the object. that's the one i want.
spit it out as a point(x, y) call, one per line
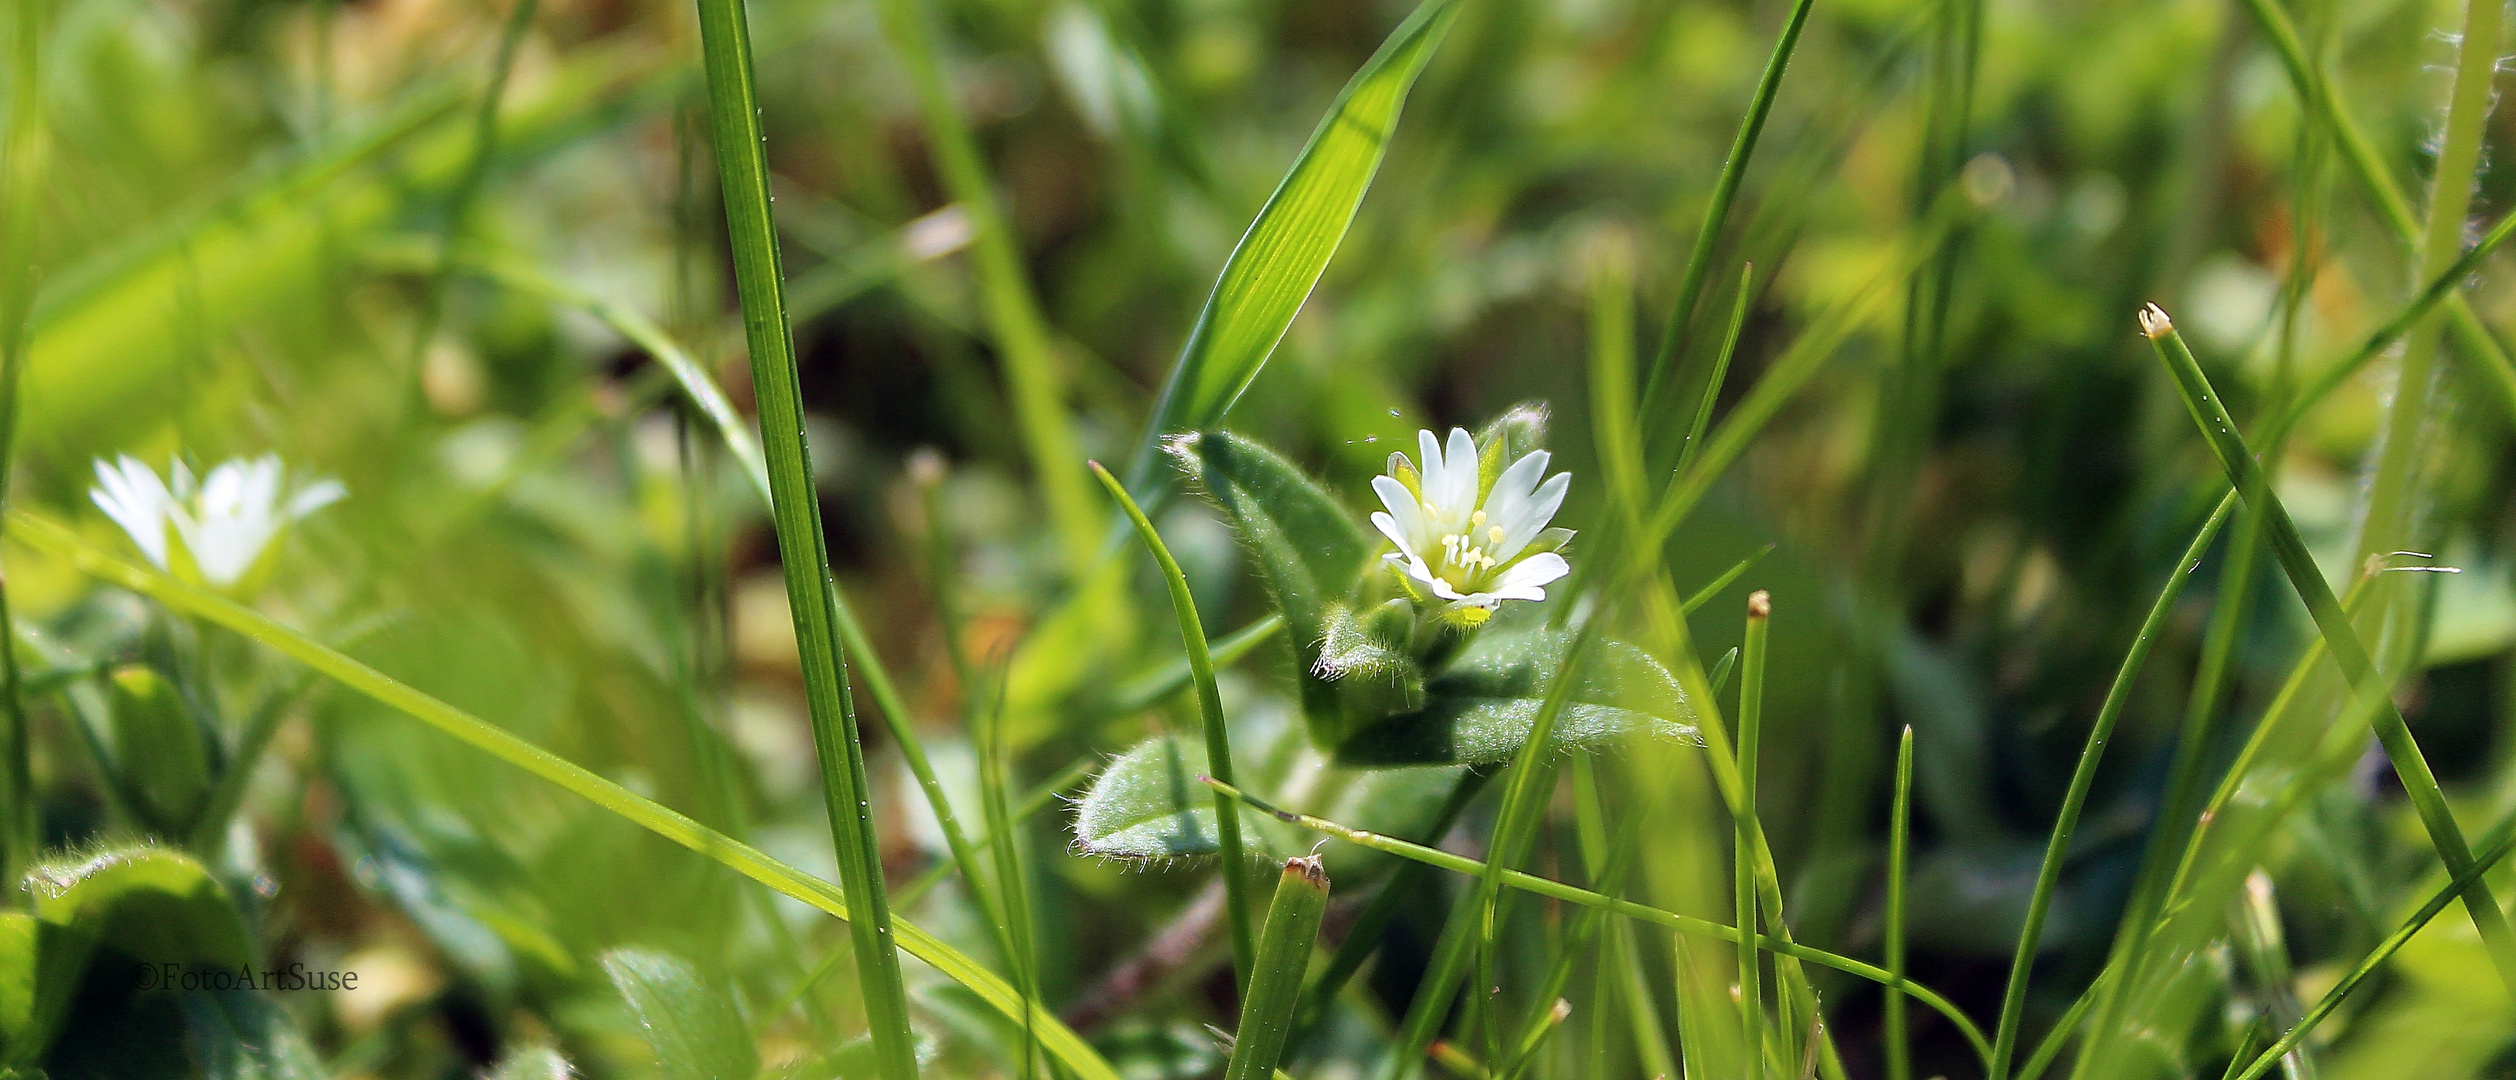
point(1480, 708)
point(1275, 983)
point(691, 1021)
point(1146, 805)
point(158, 750)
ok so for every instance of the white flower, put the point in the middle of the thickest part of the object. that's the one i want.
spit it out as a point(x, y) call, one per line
point(224, 521)
point(1467, 536)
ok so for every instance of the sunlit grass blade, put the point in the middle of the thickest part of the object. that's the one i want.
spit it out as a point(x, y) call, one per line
point(1151, 688)
point(2334, 626)
point(1751, 711)
point(2083, 777)
point(743, 171)
point(2494, 847)
point(1013, 897)
point(1279, 260)
point(1021, 333)
point(1531, 883)
point(1899, 851)
point(1710, 393)
point(53, 539)
point(1227, 817)
point(1275, 982)
point(22, 167)
point(1659, 381)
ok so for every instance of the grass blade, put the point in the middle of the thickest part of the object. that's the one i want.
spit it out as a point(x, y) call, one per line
point(1690, 288)
point(2082, 778)
point(1275, 985)
point(1227, 819)
point(1279, 260)
point(1021, 334)
point(52, 538)
point(743, 171)
point(21, 181)
point(1557, 890)
point(1711, 392)
point(467, 186)
point(2418, 782)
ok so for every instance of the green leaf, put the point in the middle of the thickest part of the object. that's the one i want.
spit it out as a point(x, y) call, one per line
point(158, 749)
point(690, 1021)
point(1148, 805)
point(244, 1035)
point(1279, 260)
point(1307, 548)
point(151, 905)
point(1275, 985)
point(40, 966)
point(532, 1063)
point(1482, 706)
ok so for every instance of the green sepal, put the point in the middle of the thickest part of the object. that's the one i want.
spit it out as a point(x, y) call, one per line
point(1508, 438)
point(1481, 706)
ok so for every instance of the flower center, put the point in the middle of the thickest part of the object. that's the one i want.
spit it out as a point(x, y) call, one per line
point(1468, 555)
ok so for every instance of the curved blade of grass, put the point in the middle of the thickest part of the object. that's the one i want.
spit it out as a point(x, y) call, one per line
point(1710, 394)
point(1272, 271)
point(1275, 983)
point(2495, 846)
point(1658, 385)
point(2333, 624)
point(466, 191)
point(1013, 311)
point(2082, 778)
point(1531, 883)
point(22, 161)
point(54, 539)
point(743, 172)
point(1227, 820)
point(1148, 690)
point(2051, 1047)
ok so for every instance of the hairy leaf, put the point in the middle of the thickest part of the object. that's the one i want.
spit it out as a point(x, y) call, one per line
point(1481, 707)
point(689, 1020)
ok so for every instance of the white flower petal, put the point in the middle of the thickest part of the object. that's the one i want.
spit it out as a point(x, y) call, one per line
point(1434, 470)
point(1459, 481)
point(1528, 520)
point(316, 496)
point(1509, 506)
point(131, 494)
point(1390, 528)
point(1413, 533)
point(1424, 575)
point(1522, 580)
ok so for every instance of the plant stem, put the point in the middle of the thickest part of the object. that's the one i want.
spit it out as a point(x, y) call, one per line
point(1275, 986)
point(743, 177)
point(1751, 711)
point(1227, 820)
point(467, 188)
point(1899, 848)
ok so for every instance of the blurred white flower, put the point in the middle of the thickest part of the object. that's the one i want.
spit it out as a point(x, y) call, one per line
point(1468, 539)
point(224, 521)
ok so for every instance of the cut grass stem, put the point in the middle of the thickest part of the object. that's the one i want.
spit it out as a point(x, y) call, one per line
point(1899, 850)
point(1751, 711)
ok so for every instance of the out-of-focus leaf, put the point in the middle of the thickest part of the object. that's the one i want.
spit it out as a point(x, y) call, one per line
point(532, 1063)
point(1307, 548)
point(1148, 804)
point(691, 1021)
point(1482, 706)
point(244, 1035)
point(1287, 247)
point(40, 966)
point(158, 749)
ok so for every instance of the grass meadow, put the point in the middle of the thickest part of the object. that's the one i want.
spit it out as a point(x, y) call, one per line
point(1330, 539)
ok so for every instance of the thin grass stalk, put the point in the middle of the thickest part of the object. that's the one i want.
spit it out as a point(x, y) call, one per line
point(1711, 392)
point(1021, 333)
point(1751, 711)
point(2500, 840)
point(2404, 439)
point(1005, 844)
point(2419, 783)
point(1227, 822)
point(1658, 385)
point(1687, 924)
point(1606, 869)
point(2082, 778)
point(2055, 1039)
point(743, 180)
point(467, 187)
point(52, 538)
point(22, 161)
point(1275, 983)
point(1612, 422)
point(1899, 850)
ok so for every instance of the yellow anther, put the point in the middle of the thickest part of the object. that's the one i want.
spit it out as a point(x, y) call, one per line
point(1494, 535)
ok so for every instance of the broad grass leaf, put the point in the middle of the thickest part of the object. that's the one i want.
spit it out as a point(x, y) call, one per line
point(1288, 245)
point(1480, 708)
point(690, 1020)
point(1307, 547)
point(1149, 805)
